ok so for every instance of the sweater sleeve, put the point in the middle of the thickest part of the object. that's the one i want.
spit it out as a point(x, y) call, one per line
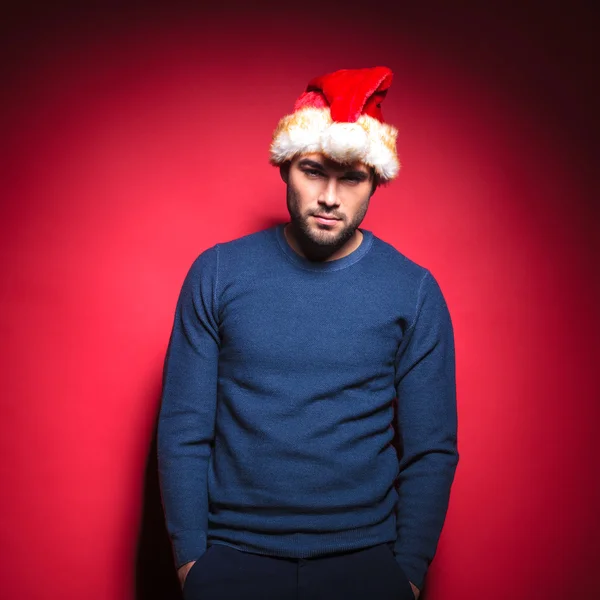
point(187, 413)
point(427, 427)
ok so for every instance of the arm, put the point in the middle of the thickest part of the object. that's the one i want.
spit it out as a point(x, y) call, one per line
point(187, 413)
point(427, 426)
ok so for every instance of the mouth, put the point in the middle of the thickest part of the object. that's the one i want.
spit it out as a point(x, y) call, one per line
point(326, 220)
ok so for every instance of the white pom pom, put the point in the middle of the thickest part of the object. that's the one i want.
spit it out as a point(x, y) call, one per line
point(345, 142)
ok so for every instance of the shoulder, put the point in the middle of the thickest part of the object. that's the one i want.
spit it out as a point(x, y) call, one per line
point(236, 249)
point(246, 242)
point(241, 253)
point(411, 277)
point(403, 268)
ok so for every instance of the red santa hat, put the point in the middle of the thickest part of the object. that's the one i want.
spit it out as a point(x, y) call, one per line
point(339, 115)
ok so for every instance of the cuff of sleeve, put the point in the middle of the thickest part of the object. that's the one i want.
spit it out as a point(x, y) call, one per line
point(188, 545)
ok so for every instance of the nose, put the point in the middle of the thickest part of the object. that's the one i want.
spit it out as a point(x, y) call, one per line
point(329, 197)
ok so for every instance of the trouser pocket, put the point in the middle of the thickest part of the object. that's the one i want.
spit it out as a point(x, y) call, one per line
point(190, 584)
point(396, 569)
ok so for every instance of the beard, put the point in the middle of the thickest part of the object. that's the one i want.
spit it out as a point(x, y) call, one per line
point(316, 239)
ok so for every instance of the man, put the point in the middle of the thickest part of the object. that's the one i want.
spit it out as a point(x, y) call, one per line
point(289, 346)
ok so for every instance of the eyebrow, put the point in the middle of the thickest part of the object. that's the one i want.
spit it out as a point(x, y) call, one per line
point(307, 162)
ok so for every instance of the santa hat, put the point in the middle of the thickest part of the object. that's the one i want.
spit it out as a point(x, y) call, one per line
point(339, 115)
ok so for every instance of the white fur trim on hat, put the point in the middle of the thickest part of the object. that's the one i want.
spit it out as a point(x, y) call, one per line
point(312, 130)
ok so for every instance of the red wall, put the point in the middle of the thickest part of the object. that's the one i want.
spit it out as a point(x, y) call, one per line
point(133, 140)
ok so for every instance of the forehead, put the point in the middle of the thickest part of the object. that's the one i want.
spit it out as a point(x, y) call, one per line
point(331, 165)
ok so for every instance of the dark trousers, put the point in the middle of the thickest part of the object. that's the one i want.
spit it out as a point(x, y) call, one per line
point(224, 573)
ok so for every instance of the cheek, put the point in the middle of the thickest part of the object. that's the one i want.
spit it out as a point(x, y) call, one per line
point(294, 201)
point(358, 207)
point(305, 194)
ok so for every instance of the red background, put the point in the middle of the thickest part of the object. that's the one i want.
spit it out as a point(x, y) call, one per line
point(134, 139)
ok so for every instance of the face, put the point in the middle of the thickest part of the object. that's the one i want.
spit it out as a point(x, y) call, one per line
point(327, 201)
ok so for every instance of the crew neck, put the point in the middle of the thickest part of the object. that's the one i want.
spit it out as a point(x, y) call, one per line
point(326, 265)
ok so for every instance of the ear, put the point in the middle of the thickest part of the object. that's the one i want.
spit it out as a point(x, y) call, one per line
point(284, 171)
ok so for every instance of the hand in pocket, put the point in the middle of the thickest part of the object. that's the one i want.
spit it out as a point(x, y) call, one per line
point(183, 571)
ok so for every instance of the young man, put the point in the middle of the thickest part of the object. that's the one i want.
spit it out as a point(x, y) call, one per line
point(278, 476)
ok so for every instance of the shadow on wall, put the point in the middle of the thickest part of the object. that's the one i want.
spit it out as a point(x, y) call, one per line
point(155, 574)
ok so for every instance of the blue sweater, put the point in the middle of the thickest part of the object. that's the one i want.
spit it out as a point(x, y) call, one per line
point(276, 421)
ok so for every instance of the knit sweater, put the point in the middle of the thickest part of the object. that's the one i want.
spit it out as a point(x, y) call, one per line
point(277, 415)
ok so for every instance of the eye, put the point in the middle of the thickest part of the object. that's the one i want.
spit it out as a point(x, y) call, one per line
point(352, 180)
point(313, 173)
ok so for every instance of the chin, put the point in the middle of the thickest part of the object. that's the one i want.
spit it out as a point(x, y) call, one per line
point(325, 237)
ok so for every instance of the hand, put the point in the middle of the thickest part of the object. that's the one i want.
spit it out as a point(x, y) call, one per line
point(415, 590)
point(183, 571)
